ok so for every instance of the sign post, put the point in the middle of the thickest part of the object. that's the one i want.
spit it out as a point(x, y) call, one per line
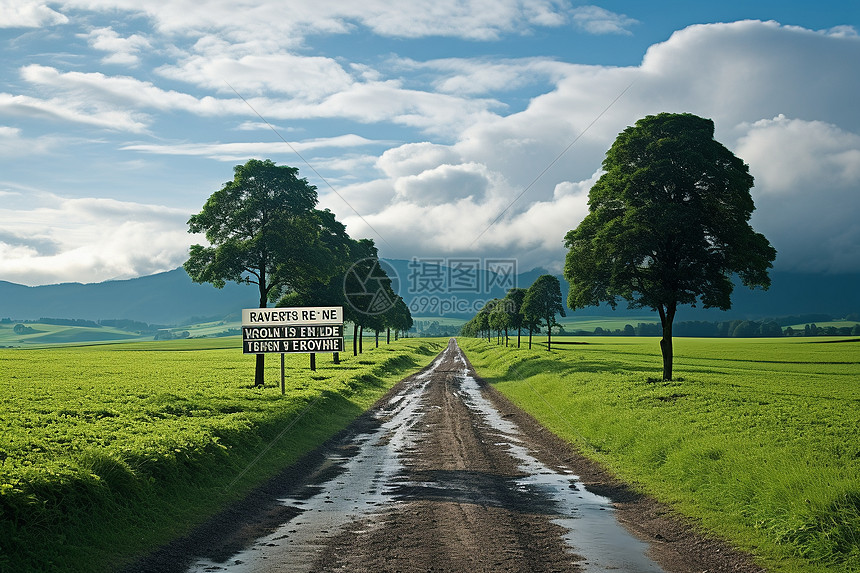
point(304, 329)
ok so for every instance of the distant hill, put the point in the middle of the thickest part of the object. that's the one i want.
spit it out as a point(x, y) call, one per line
point(171, 298)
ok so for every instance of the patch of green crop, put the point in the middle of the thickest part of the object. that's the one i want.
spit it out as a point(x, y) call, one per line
point(107, 451)
point(758, 440)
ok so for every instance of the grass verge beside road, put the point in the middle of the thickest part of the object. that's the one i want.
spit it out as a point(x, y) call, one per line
point(758, 440)
point(109, 451)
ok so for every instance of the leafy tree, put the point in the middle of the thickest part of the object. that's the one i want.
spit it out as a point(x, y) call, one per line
point(368, 290)
point(543, 302)
point(263, 229)
point(667, 225)
point(500, 320)
point(514, 301)
point(482, 319)
point(399, 317)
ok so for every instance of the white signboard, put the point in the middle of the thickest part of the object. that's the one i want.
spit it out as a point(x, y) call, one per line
point(293, 316)
point(308, 329)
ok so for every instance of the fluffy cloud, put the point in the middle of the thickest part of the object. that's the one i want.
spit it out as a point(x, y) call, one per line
point(306, 78)
point(58, 239)
point(737, 74)
point(122, 51)
point(28, 14)
point(807, 191)
point(462, 174)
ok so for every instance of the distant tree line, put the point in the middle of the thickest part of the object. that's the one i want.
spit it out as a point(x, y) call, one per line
point(767, 328)
point(521, 309)
point(431, 328)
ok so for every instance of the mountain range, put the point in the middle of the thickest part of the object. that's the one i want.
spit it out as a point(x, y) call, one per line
point(436, 288)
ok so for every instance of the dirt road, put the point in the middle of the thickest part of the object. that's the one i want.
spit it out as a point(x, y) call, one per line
point(446, 475)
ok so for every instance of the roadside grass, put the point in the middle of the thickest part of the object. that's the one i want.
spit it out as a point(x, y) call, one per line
point(108, 451)
point(758, 440)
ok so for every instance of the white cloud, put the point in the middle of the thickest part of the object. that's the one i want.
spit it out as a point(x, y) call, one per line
point(484, 75)
point(461, 159)
point(123, 51)
point(244, 150)
point(289, 24)
point(72, 111)
point(415, 158)
point(14, 144)
point(596, 20)
point(60, 240)
point(444, 184)
point(307, 78)
point(27, 14)
point(807, 170)
point(807, 191)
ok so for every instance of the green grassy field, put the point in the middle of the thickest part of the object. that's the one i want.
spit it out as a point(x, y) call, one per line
point(52, 334)
point(589, 323)
point(107, 451)
point(758, 440)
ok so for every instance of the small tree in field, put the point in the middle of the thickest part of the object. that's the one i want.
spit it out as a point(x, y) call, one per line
point(667, 224)
point(543, 302)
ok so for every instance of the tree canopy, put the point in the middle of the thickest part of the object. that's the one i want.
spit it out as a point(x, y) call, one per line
point(543, 302)
point(668, 224)
point(263, 228)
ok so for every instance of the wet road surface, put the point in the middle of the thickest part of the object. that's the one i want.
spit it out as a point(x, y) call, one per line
point(441, 481)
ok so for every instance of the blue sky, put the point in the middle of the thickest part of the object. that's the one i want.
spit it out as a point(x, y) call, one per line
point(422, 121)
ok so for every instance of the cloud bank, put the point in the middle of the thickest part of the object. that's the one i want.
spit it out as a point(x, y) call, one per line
point(455, 156)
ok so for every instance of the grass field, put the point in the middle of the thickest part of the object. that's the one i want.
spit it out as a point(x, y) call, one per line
point(758, 440)
point(107, 451)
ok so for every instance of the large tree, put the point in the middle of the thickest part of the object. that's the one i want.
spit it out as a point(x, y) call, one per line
point(543, 302)
point(263, 229)
point(668, 224)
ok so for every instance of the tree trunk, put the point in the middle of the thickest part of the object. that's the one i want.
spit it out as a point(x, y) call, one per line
point(260, 366)
point(376, 332)
point(519, 332)
point(361, 340)
point(388, 336)
point(667, 316)
point(355, 339)
point(548, 334)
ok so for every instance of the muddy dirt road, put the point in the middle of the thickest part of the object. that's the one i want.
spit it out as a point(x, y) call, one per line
point(445, 475)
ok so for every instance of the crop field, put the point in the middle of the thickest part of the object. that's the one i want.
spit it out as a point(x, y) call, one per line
point(757, 440)
point(52, 334)
point(106, 451)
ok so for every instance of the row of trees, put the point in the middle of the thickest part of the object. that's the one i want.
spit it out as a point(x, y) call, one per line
point(727, 329)
point(263, 228)
point(520, 309)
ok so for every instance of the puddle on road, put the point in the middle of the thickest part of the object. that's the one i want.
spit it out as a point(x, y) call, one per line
point(593, 531)
point(328, 508)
